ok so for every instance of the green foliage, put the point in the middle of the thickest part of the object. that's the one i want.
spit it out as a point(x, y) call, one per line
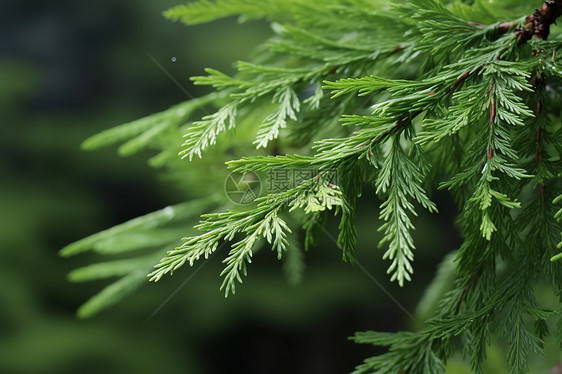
point(312, 196)
point(146, 238)
point(428, 94)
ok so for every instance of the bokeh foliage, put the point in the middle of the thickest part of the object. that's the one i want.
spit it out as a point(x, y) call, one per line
point(96, 75)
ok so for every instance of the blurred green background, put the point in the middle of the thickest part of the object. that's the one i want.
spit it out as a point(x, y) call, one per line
point(69, 70)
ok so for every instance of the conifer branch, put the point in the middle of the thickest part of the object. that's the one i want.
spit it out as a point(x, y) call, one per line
point(264, 221)
point(422, 94)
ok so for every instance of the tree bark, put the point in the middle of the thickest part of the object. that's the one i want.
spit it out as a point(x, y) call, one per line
point(538, 24)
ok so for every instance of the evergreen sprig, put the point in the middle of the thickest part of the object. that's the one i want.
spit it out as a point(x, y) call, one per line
point(409, 97)
point(263, 221)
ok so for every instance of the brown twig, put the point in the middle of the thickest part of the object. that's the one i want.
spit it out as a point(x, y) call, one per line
point(492, 111)
point(458, 82)
point(538, 23)
point(505, 27)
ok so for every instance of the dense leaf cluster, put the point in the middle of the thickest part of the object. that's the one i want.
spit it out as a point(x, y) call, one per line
point(410, 97)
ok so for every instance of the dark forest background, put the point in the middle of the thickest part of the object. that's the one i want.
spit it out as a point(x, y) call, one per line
point(71, 69)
